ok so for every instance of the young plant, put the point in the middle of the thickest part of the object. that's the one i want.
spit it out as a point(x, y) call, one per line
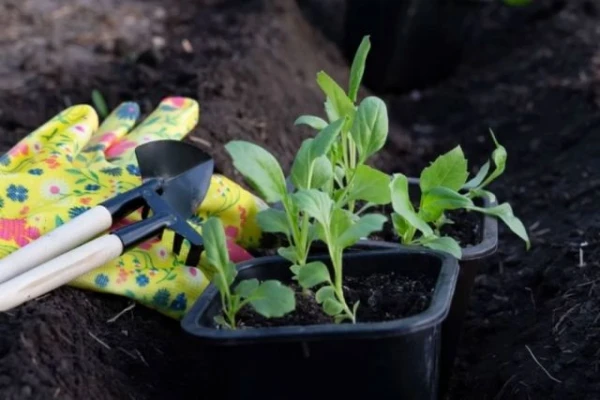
point(311, 169)
point(444, 187)
point(339, 229)
point(363, 132)
point(270, 298)
point(309, 213)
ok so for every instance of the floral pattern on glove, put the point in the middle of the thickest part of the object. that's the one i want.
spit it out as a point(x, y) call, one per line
point(71, 163)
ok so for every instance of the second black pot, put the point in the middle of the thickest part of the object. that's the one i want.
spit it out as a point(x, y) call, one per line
point(386, 360)
point(472, 259)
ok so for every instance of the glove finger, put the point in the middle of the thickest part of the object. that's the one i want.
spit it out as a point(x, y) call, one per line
point(74, 134)
point(79, 120)
point(114, 127)
point(173, 119)
point(236, 207)
point(237, 253)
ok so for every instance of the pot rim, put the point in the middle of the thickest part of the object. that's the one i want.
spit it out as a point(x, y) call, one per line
point(435, 313)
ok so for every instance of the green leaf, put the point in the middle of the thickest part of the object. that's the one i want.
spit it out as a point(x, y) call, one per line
point(99, 103)
point(439, 199)
point(325, 138)
point(445, 244)
point(339, 104)
point(302, 165)
point(341, 318)
point(482, 193)
point(273, 220)
point(58, 221)
point(246, 288)
point(295, 269)
point(355, 307)
point(476, 181)
point(272, 299)
point(370, 185)
point(505, 213)
point(365, 226)
point(499, 155)
point(403, 207)
point(312, 121)
point(400, 224)
point(315, 203)
point(358, 67)
point(324, 293)
point(289, 253)
point(370, 128)
point(260, 168)
point(341, 221)
point(304, 168)
point(449, 170)
point(312, 274)
point(330, 110)
point(216, 253)
point(332, 307)
point(313, 233)
point(322, 173)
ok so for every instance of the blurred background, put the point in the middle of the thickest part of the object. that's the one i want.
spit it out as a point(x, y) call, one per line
point(449, 72)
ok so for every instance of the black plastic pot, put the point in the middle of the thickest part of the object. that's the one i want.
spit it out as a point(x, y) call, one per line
point(396, 359)
point(473, 257)
point(415, 43)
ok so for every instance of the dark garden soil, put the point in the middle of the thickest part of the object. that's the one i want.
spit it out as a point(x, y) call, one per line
point(382, 296)
point(531, 75)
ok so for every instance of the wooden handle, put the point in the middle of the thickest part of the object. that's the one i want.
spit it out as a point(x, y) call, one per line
point(73, 233)
point(59, 271)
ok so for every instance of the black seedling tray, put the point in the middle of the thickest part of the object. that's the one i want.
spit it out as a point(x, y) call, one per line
point(396, 359)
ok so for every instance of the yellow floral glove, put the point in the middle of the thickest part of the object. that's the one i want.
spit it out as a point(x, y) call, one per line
point(71, 164)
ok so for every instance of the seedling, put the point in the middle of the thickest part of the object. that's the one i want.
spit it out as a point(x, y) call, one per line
point(339, 229)
point(309, 213)
point(311, 169)
point(270, 298)
point(444, 187)
point(363, 132)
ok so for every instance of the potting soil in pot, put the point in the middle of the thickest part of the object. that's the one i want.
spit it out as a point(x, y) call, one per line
point(382, 296)
point(465, 227)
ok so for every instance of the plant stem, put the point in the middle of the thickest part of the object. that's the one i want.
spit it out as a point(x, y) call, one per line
point(228, 308)
point(336, 260)
point(364, 208)
point(341, 199)
point(303, 245)
point(231, 320)
point(345, 151)
point(296, 234)
point(353, 154)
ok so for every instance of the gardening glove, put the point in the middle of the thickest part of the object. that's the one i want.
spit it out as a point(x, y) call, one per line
point(68, 165)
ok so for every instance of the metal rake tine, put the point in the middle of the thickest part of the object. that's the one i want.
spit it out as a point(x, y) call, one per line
point(177, 242)
point(193, 257)
point(195, 251)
